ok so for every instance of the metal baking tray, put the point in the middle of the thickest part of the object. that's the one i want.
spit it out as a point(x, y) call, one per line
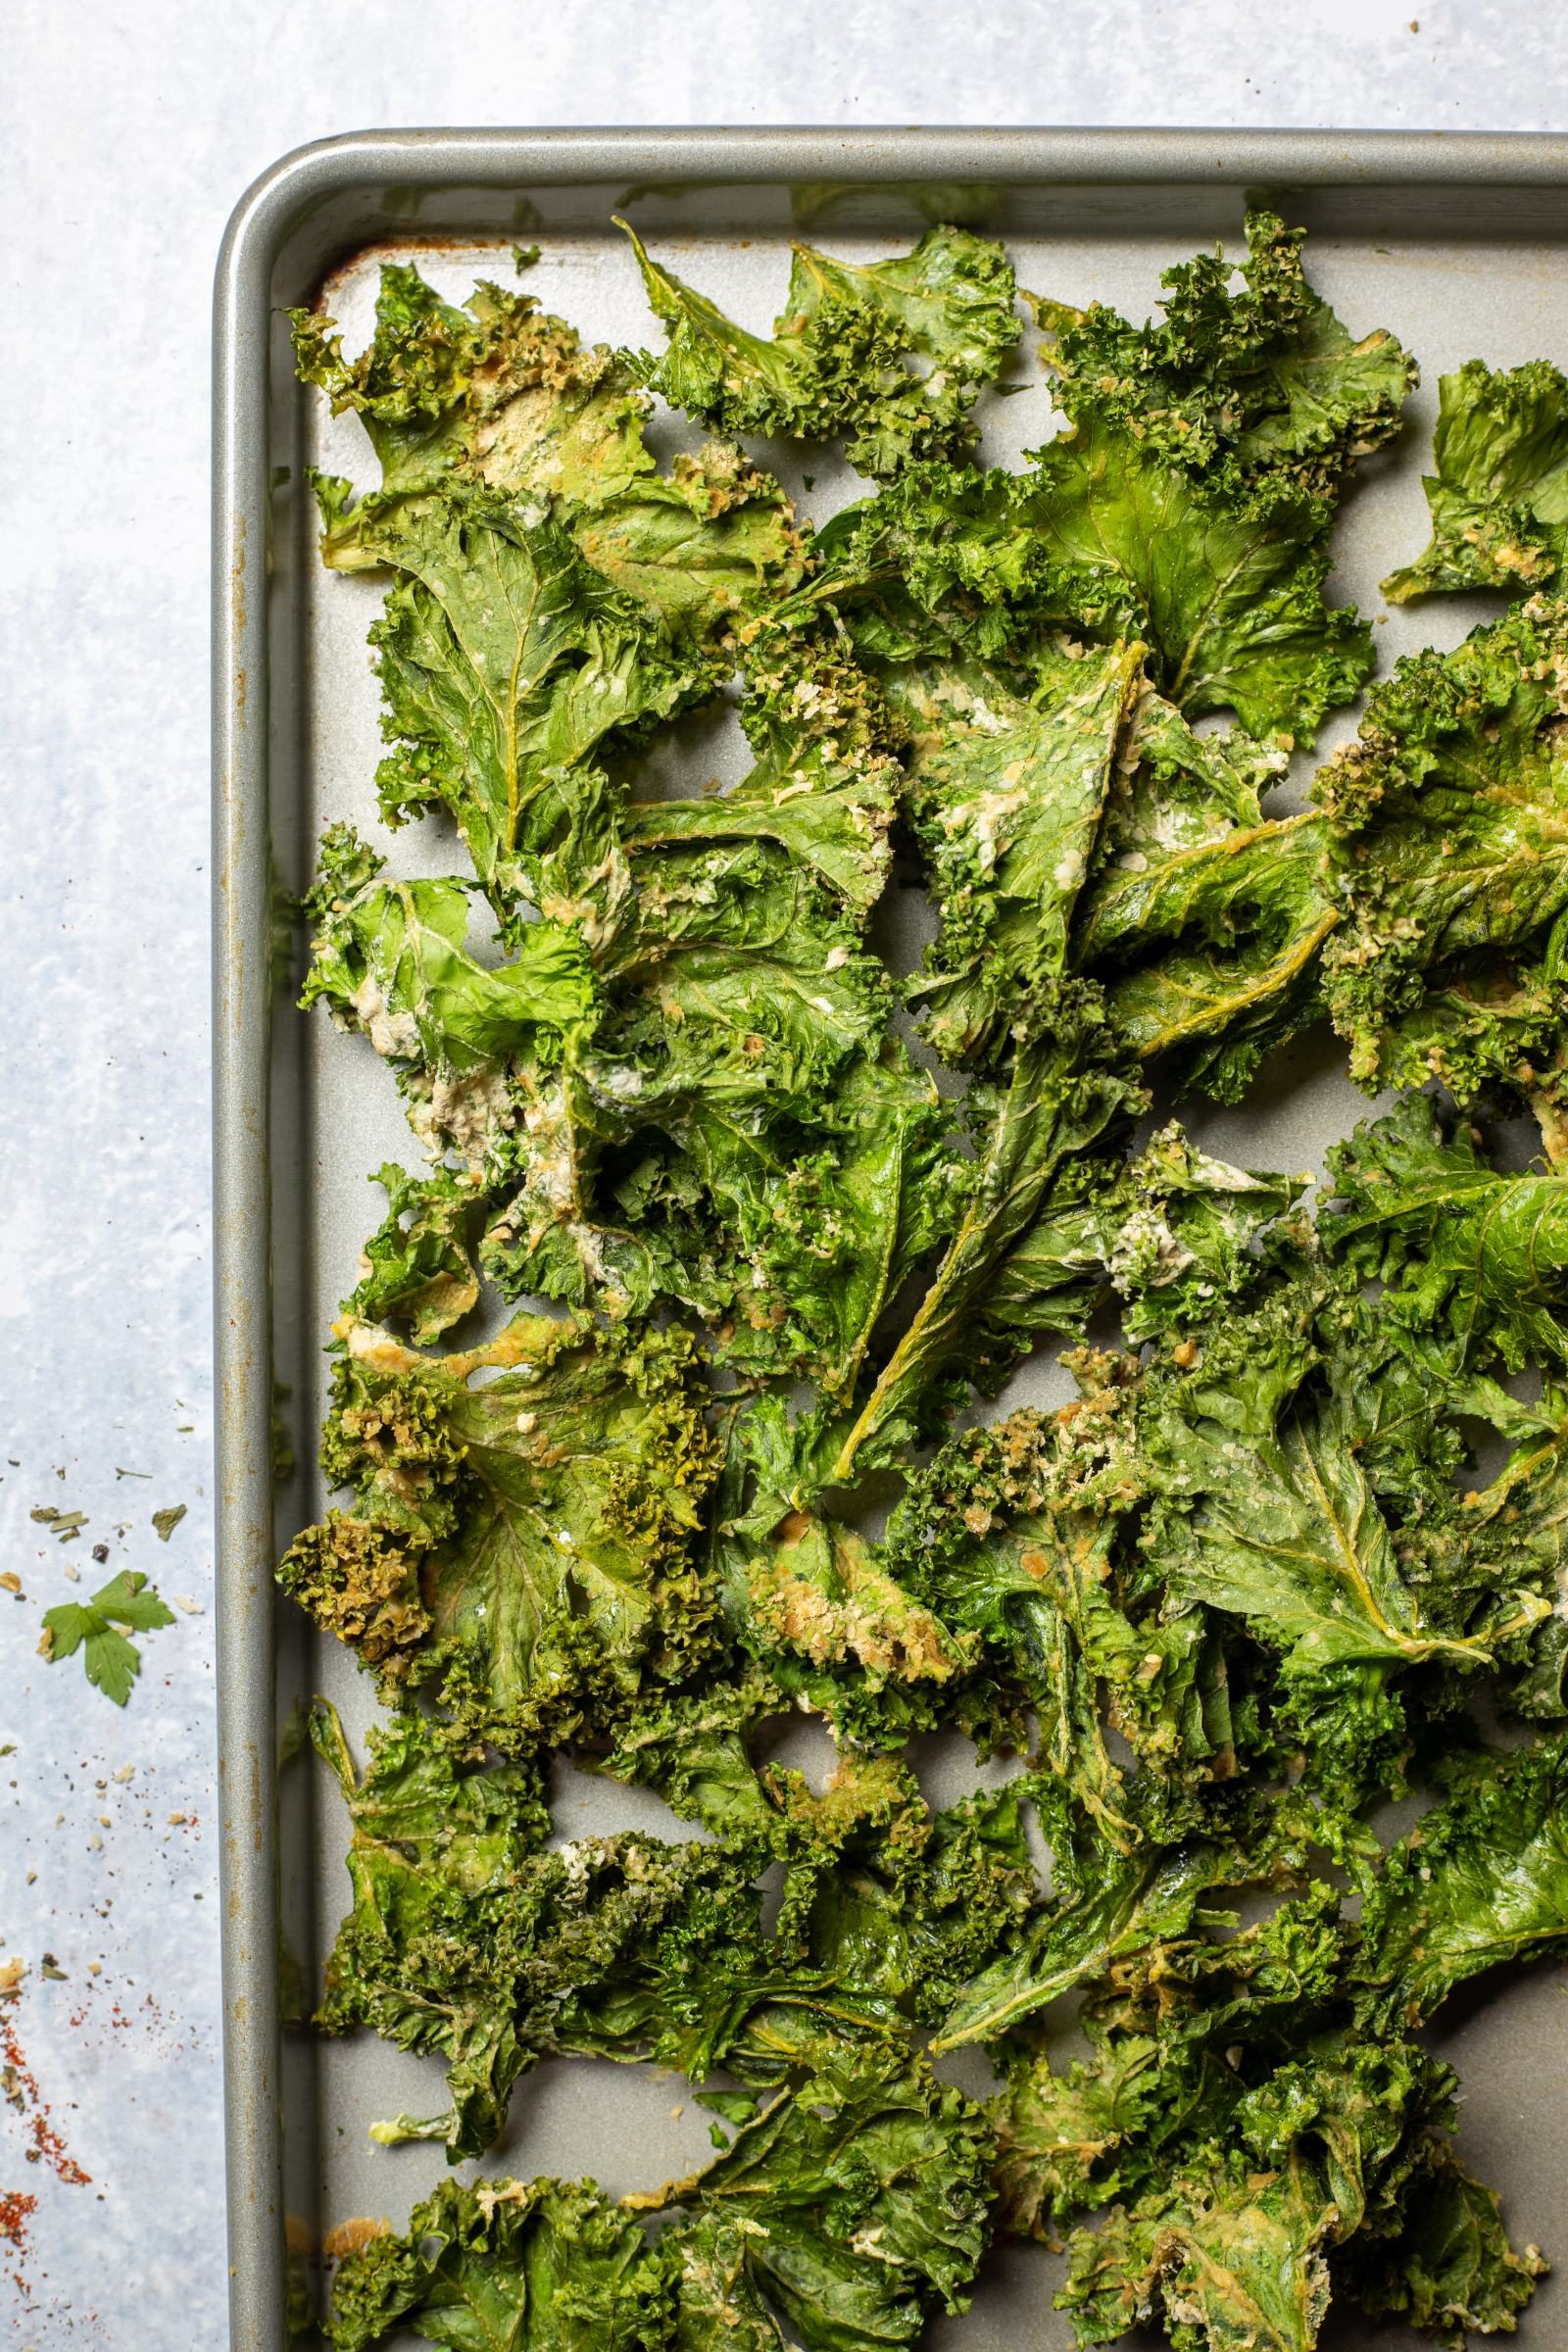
point(1458, 243)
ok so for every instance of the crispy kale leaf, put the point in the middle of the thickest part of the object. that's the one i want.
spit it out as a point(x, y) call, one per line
point(1202, 920)
point(840, 358)
point(523, 1547)
point(1452, 2265)
point(1071, 819)
point(1234, 2252)
point(471, 1939)
point(1016, 1534)
point(821, 1613)
point(1483, 1879)
point(437, 1851)
point(496, 391)
point(1247, 387)
point(716, 1110)
point(1109, 539)
point(498, 395)
point(554, 597)
point(743, 1114)
point(1259, 2147)
point(886, 1908)
point(851, 2207)
point(1499, 494)
point(1188, 1234)
point(390, 959)
point(1145, 1897)
point(848, 2209)
point(1509, 1541)
point(1450, 861)
point(417, 1266)
point(508, 663)
point(1453, 1239)
point(1231, 603)
point(1062, 1097)
point(752, 1047)
point(536, 2266)
point(1267, 1509)
point(1209, 953)
point(1006, 794)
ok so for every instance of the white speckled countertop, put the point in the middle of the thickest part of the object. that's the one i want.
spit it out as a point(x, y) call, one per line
point(129, 135)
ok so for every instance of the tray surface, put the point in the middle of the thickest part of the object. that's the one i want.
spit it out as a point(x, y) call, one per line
point(1453, 278)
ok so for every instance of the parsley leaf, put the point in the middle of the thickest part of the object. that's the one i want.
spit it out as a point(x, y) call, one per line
point(99, 1628)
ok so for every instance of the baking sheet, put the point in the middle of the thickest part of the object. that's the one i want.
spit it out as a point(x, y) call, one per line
point(1455, 271)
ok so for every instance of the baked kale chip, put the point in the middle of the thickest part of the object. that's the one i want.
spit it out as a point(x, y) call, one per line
point(523, 1547)
point(1105, 539)
point(1500, 495)
point(840, 358)
point(1449, 863)
point(1457, 1243)
point(1255, 388)
point(551, 2265)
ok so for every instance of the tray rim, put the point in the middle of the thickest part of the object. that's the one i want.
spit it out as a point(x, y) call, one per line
point(275, 204)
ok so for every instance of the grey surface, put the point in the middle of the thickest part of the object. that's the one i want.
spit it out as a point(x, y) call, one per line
point(1452, 268)
point(128, 136)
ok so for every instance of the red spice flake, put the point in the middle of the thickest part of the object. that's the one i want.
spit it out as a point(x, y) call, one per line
point(22, 2089)
point(17, 2210)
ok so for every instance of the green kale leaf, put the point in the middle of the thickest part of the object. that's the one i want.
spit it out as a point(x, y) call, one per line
point(500, 396)
point(496, 391)
point(506, 662)
point(1107, 537)
point(1250, 387)
point(1499, 494)
point(839, 362)
point(1509, 1543)
point(1062, 1097)
point(1450, 861)
point(852, 2206)
point(1209, 954)
point(525, 1546)
point(1134, 1900)
point(1006, 795)
point(1012, 1532)
point(437, 1850)
point(1455, 1242)
point(469, 1939)
point(1482, 1879)
point(390, 959)
point(537, 2266)
point(1267, 1508)
point(831, 1625)
point(1450, 2263)
point(417, 1266)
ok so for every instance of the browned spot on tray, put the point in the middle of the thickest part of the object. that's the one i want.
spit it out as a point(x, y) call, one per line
point(351, 2238)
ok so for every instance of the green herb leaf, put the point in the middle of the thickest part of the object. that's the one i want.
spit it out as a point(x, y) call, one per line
point(127, 1601)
